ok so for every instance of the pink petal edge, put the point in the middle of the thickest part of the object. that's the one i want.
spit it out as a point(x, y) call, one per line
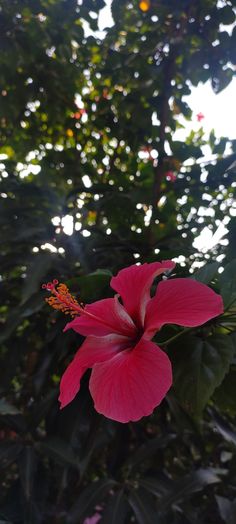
point(184, 302)
point(94, 519)
point(107, 316)
point(131, 384)
point(133, 285)
point(93, 350)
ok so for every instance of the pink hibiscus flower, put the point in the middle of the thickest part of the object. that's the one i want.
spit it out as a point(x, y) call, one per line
point(200, 116)
point(130, 374)
point(94, 519)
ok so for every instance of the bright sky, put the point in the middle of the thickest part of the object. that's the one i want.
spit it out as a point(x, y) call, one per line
point(219, 110)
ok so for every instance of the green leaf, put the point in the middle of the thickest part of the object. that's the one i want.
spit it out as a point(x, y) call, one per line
point(227, 15)
point(59, 450)
point(93, 285)
point(228, 283)
point(148, 450)
point(199, 367)
point(116, 510)
point(7, 409)
point(143, 506)
point(227, 509)
point(27, 467)
point(158, 485)
point(206, 273)
point(9, 451)
point(186, 486)
point(34, 304)
point(36, 273)
point(93, 494)
point(183, 419)
point(225, 394)
point(224, 428)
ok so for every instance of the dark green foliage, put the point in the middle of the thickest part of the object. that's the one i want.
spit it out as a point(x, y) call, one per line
point(177, 466)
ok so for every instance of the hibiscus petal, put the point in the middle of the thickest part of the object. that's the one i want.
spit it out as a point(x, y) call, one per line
point(182, 301)
point(133, 285)
point(132, 383)
point(105, 316)
point(94, 349)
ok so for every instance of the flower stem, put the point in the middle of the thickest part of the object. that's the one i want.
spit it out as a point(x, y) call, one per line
point(167, 342)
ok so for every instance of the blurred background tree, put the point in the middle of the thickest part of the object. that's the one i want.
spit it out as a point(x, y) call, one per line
point(92, 179)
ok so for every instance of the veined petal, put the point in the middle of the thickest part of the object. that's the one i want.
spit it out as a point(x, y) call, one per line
point(133, 285)
point(94, 349)
point(184, 302)
point(102, 318)
point(131, 384)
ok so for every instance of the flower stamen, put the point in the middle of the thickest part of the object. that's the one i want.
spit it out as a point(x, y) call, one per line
point(62, 300)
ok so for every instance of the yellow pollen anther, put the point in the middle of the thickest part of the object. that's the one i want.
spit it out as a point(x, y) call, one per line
point(61, 299)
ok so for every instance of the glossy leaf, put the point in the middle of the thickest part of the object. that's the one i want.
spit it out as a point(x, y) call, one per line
point(224, 395)
point(9, 451)
point(185, 487)
point(228, 285)
point(227, 509)
point(87, 500)
point(60, 451)
point(27, 467)
point(148, 450)
point(206, 273)
point(7, 409)
point(143, 507)
point(199, 367)
point(224, 428)
point(116, 509)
